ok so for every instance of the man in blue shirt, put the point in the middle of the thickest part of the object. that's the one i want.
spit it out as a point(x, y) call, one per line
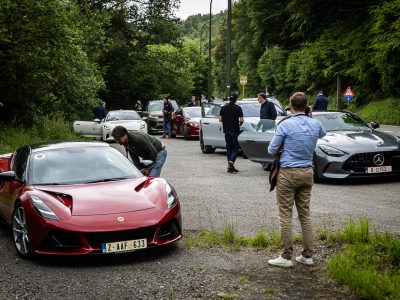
point(298, 136)
point(267, 109)
point(321, 102)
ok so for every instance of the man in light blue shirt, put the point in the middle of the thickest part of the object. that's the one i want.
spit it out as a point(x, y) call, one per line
point(298, 137)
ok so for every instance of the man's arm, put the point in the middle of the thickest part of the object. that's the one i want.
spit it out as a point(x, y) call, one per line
point(241, 121)
point(220, 119)
point(135, 159)
point(273, 111)
point(315, 103)
point(277, 141)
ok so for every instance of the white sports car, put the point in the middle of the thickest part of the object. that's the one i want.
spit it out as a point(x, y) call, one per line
point(101, 129)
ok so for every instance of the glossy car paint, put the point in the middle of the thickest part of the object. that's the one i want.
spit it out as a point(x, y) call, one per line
point(359, 148)
point(185, 125)
point(94, 208)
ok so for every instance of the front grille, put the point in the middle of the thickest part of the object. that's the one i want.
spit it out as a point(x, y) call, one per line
point(58, 240)
point(358, 162)
point(169, 230)
point(97, 238)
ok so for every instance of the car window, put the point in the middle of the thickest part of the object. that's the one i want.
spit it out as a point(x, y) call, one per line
point(122, 115)
point(250, 109)
point(20, 161)
point(79, 165)
point(263, 125)
point(341, 121)
point(213, 111)
point(193, 112)
point(158, 105)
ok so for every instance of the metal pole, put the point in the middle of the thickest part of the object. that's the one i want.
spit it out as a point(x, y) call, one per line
point(209, 57)
point(338, 91)
point(228, 50)
point(201, 35)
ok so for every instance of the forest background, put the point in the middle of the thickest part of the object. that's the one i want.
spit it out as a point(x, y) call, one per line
point(59, 57)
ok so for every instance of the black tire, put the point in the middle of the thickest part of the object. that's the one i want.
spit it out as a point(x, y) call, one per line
point(205, 148)
point(20, 232)
point(185, 133)
point(317, 178)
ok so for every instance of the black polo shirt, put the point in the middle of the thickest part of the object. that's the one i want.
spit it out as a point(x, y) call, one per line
point(230, 114)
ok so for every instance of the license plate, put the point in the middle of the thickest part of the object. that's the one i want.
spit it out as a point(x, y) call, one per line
point(381, 169)
point(124, 246)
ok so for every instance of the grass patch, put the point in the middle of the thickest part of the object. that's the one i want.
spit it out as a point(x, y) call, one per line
point(386, 112)
point(268, 292)
point(49, 130)
point(223, 295)
point(370, 263)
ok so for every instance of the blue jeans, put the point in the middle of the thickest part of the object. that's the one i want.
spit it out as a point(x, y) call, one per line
point(155, 170)
point(232, 145)
point(167, 127)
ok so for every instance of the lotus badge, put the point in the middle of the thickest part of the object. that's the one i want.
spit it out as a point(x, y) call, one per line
point(121, 219)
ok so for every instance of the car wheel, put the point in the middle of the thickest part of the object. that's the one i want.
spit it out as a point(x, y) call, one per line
point(205, 148)
point(20, 232)
point(317, 178)
point(185, 133)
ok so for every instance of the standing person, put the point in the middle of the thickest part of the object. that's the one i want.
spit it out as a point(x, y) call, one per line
point(231, 116)
point(99, 111)
point(192, 102)
point(167, 112)
point(267, 109)
point(321, 102)
point(140, 144)
point(298, 136)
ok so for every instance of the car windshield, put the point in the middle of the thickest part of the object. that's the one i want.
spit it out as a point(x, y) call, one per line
point(122, 115)
point(80, 164)
point(341, 121)
point(158, 105)
point(250, 109)
point(193, 112)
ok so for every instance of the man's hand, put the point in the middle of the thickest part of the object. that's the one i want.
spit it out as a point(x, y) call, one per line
point(146, 172)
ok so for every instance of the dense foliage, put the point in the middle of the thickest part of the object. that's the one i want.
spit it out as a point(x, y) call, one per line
point(59, 57)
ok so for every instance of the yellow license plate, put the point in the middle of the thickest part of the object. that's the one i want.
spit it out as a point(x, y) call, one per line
point(381, 169)
point(124, 246)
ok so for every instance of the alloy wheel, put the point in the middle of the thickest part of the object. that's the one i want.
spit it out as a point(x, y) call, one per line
point(20, 232)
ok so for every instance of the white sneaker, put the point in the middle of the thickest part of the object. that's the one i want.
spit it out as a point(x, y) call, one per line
point(281, 262)
point(305, 260)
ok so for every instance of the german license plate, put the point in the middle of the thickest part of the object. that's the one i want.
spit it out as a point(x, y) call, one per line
point(124, 246)
point(380, 169)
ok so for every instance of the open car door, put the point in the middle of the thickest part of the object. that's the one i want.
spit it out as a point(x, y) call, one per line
point(211, 134)
point(255, 139)
point(88, 128)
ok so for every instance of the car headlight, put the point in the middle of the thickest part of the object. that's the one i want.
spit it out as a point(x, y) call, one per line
point(331, 151)
point(142, 125)
point(42, 208)
point(195, 124)
point(171, 195)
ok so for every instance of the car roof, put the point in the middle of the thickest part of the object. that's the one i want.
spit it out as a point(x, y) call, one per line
point(122, 110)
point(51, 145)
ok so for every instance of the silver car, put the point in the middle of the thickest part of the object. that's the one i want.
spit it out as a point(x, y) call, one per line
point(351, 148)
point(211, 133)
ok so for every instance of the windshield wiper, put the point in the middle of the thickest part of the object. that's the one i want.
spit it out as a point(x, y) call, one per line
point(106, 180)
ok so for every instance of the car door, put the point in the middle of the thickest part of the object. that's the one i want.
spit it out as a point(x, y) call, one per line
point(178, 122)
point(211, 127)
point(88, 128)
point(254, 143)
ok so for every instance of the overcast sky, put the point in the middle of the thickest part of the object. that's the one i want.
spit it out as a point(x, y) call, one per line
point(194, 7)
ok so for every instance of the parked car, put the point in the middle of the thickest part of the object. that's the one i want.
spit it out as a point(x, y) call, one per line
point(101, 129)
point(72, 198)
point(187, 122)
point(351, 148)
point(211, 133)
point(153, 113)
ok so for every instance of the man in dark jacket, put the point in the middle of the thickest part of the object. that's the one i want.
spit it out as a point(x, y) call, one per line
point(142, 145)
point(231, 116)
point(321, 102)
point(99, 111)
point(167, 111)
point(267, 109)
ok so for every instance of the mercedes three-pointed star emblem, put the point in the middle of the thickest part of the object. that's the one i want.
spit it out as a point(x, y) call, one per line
point(378, 159)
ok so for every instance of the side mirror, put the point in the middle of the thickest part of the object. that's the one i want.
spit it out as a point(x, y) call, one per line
point(373, 125)
point(144, 118)
point(97, 120)
point(8, 176)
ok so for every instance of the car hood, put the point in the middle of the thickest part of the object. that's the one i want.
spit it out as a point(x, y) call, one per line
point(364, 139)
point(126, 123)
point(111, 197)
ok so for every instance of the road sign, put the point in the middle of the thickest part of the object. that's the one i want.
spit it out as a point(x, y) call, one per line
point(243, 80)
point(348, 92)
point(348, 99)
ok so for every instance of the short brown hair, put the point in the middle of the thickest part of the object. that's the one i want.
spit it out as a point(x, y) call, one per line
point(262, 95)
point(299, 101)
point(119, 131)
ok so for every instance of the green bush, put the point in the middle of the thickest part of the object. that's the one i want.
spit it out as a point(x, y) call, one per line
point(386, 112)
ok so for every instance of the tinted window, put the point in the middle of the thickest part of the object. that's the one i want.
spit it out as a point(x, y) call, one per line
point(122, 115)
point(341, 121)
point(19, 162)
point(250, 109)
point(79, 165)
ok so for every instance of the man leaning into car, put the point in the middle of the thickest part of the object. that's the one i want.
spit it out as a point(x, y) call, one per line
point(298, 136)
point(142, 145)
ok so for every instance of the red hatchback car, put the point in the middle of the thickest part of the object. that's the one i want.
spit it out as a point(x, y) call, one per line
point(71, 198)
point(187, 122)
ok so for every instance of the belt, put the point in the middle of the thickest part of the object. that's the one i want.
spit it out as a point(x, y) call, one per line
point(298, 167)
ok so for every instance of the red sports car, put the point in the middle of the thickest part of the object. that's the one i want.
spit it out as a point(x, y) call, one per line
point(71, 198)
point(187, 122)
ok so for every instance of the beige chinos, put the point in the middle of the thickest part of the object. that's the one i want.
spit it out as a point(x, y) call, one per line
point(294, 187)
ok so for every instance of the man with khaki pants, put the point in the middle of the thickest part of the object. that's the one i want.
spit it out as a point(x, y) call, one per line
point(298, 136)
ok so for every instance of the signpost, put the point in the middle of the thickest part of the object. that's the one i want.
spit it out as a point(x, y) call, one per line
point(243, 82)
point(348, 95)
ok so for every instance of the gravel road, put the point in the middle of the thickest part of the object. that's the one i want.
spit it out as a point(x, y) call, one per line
point(210, 198)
